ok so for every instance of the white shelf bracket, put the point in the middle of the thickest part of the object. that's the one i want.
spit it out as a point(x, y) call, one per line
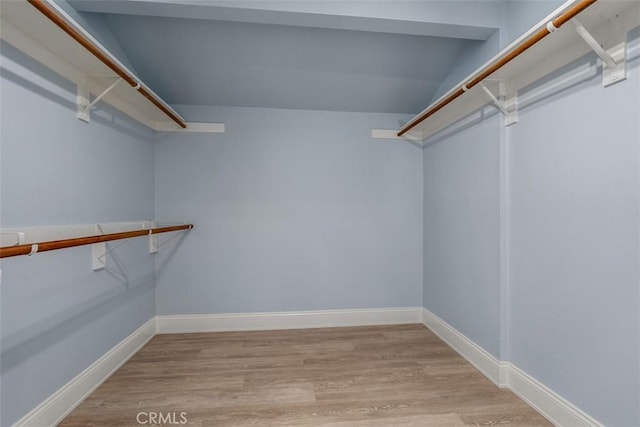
point(99, 257)
point(508, 110)
point(614, 65)
point(153, 239)
point(17, 238)
point(84, 100)
point(510, 96)
point(392, 134)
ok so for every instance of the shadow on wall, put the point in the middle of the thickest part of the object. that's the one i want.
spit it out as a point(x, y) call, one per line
point(21, 345)
point(464, 123)
point(104, 114)
point(563, 82)
point(89, 295)
point(57, 314)
point(572, 77)
point(17, 347)
point(162, 261)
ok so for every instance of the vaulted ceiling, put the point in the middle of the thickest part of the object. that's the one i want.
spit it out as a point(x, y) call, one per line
point(367, 56)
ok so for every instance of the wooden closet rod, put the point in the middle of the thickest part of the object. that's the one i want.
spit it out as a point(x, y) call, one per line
point(104, 58)
point(492, 68)
point(31, 248)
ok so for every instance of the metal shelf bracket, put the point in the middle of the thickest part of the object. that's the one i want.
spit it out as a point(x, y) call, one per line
point(614, 65)
point(84, 100)
point(153, 239)
point(508, 108)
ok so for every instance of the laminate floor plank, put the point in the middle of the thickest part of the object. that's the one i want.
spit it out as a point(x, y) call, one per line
point(401, 375)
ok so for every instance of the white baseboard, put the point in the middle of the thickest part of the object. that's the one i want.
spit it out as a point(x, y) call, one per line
point(486, 363)
point(504, 374)
point(171, 324)
point(554, 407)
point(61, 403)
point(551, 405)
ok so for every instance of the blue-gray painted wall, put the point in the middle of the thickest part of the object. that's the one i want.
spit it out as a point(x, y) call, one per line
point(281, 66)
point(569, 305)
point(521, 15)
point(462, 230)
point(517, 17)
point(57, 315)
point(295, 210)
point(303, 210)
point(96, 25)
point(470, 58)
point(574, 177)
point(441, 18)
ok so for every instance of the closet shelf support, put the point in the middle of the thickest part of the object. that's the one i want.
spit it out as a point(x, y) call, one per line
point(509, 112)
point(614, 67)
point(84, 106)
point(153, 240)
point(58, 20)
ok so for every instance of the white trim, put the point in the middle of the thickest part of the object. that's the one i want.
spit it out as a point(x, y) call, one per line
point(204, 127)
point(171, 324)
point(68, 397)
point(193, 127)
point(62, 402)
point(486, 363)
point(504, 374)
point(554, 407)
point(393, 134)
point(505, 239)
point(548, 403)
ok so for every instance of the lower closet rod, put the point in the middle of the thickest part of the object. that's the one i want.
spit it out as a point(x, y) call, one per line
point(31, 248)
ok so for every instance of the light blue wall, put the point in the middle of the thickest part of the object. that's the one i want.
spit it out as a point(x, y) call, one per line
point(96, 25)
point(517, 17)
point(295, 210)
point(470, 58)
point(57, 315)
point(565, 307)
point(575, 244)
point(440, 18)
point(302, 210)
point(462, 213)
point(278, 66)
point(521, 15)
point(462, 230)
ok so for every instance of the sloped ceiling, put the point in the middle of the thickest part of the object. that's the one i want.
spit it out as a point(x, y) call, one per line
point(380, 56)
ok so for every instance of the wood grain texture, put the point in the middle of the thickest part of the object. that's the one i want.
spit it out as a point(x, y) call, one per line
point(364, 376)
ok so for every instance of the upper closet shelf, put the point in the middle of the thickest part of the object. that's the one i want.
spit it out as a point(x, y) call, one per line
point(43, 30)
point(573, 30)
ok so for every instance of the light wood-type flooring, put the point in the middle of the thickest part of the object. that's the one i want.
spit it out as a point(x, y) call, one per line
point(399, 375)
